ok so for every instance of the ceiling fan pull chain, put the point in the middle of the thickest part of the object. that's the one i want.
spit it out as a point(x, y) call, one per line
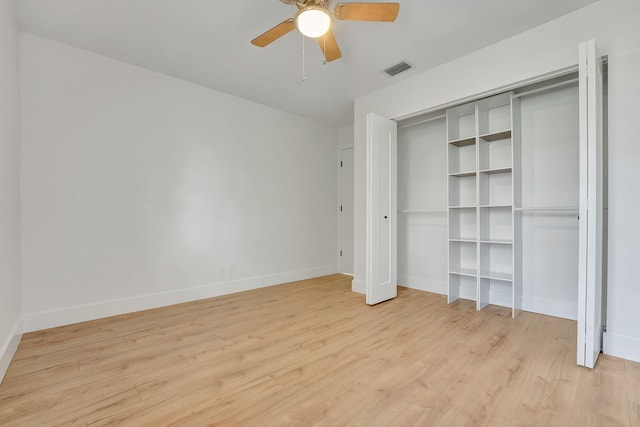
point(324, 49)
point(304, 76)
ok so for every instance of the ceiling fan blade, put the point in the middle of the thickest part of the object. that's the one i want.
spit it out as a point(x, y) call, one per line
point(329, 46)
point(383, 12)
point(275, 33)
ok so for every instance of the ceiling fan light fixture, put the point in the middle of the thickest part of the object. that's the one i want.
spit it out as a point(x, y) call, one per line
point(313, 21)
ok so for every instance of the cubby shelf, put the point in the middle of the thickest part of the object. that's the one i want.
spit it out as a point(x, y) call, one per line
point(505, 277)
point(496, 170)
point(462, 174)
point(496, 136)
point(464, 142)
point(482, 145)
point(469, 272)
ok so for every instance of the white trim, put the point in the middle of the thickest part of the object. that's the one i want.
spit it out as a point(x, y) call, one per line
point(496, 91)
point(359, 286)
point(419, 122)
point(341, 149)
point(546, 88)
point(9, 347)
point(496, 297)
point(546, 306)
point(98, 310)
point(420, 283)
point(621, 346)
point(551, 307)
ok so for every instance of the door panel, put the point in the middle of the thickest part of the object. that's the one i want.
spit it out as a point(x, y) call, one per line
point(381, 272)
point(590, 321)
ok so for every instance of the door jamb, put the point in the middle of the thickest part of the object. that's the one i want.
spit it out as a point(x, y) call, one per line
point(341, 148)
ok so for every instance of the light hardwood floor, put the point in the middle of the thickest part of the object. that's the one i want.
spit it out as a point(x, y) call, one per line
point(312, 353)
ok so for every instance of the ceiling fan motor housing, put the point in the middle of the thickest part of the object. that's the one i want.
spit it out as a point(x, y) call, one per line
point(303, 3)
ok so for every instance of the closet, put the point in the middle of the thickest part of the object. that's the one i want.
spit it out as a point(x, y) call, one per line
point(488, 200)
point(509, 187)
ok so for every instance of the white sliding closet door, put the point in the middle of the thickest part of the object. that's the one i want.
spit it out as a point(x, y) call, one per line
point(591, 213)
point(381, 206)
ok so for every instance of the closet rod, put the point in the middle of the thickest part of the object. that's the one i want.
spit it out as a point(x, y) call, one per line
point(419, 122)
point(568, 209)
point(545, 88)
point(548, 208)
point(410, 211)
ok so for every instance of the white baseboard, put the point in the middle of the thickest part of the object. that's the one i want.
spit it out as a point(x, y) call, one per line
point(551, 307)
point(422, 284)
point(81, 313)
point(359, 286)
point(503, 299)
point(468, 291)
point(496, 297)
point(9, 347)
point(621, 346)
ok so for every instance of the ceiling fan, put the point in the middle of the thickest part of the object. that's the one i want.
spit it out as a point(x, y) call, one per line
point(313, 20)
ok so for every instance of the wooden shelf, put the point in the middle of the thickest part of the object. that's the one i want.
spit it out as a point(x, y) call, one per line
point(495, 206)
point(496, 136)
point(462, 174)
point(496, 170)
point(463, 142)
point(462, 207)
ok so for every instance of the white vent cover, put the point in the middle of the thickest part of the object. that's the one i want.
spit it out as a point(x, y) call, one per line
point(398, 68)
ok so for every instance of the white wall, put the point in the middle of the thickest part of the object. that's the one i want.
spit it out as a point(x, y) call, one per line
point(345, 135)
point(552, 46)
point(9, 188)
point(550, 175)
point(422, 186)
point(140, 190)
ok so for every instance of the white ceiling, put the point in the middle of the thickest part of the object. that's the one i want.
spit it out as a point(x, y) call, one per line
point(207, 42)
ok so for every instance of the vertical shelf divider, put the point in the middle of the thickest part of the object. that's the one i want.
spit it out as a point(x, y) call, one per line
point(481, 297)
point(516, 153)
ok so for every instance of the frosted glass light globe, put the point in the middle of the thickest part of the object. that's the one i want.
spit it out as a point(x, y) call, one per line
point(313, 21)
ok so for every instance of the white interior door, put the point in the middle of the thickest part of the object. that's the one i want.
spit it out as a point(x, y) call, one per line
point(381, 203)
point(591, 213)
point(346, 210)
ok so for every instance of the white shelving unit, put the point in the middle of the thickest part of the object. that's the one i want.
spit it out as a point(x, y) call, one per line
point(483, 187)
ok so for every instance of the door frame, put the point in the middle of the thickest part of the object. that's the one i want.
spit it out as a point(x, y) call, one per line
point(341, 149)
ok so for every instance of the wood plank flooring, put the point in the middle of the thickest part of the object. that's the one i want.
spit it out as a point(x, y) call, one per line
point(312, 353)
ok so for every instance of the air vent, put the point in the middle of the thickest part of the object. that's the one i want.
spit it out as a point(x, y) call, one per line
point(397, 68)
